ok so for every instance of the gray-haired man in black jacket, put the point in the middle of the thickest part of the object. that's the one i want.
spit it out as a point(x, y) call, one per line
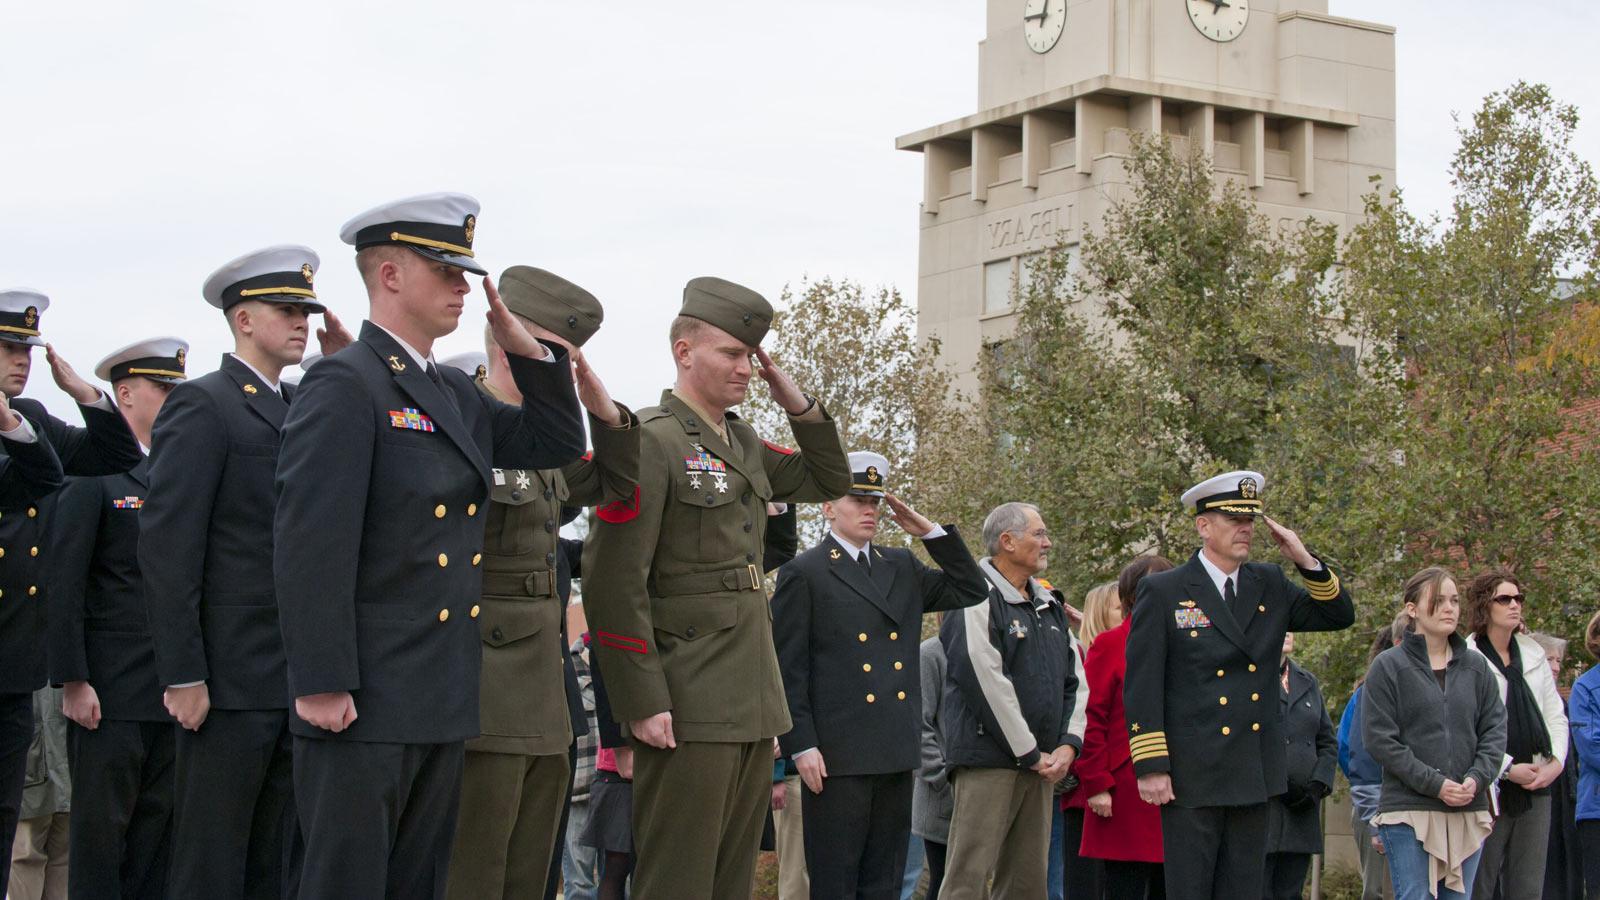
point(1013, 714)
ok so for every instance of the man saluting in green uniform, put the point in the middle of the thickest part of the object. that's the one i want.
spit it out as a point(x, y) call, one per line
point(676, 602)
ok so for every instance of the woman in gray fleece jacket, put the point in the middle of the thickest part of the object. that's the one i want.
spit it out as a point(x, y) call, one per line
point(1434, 722)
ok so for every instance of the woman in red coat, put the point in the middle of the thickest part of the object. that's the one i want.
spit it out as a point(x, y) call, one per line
point(1123, 830)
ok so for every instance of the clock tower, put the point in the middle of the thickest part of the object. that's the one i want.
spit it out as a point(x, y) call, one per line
point(1294, 103)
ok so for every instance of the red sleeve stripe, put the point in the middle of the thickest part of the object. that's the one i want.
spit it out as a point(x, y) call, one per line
point(778, 448)
point(621, 642)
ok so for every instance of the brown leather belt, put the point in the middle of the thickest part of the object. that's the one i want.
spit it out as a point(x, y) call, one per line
point(744, 579)
point(512, 584)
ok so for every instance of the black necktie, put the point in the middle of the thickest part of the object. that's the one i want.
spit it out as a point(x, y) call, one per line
point(433, 373)
point(438, 381)
point(1229, 597)
point(863, 562)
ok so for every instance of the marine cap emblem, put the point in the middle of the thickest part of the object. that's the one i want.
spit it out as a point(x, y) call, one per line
point(872, 474)
point(249, 389)
point(306, 273)
point(470, 226)
point(182, 355)
point(30, 316)
point(1247, 488)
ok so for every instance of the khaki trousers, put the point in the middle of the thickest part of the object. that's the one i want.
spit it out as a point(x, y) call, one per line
point(39, 859)
point(506, 830)
point(793, 883)
point(1001, 824)
point(698, 812)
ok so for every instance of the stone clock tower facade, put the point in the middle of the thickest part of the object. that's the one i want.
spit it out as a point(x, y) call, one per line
point(1296, 104)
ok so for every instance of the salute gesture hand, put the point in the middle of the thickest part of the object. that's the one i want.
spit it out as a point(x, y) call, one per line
point(509, 332)
point(909, 520)
point(8, 419)
point(333, 336)
point(1289, 545)
point(592, 392)
point(68, 379)
point(785, 392)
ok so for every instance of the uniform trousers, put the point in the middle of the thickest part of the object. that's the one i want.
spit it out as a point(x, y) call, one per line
point(1214, 851)
point(698, 811)
point(1285, 876)
point(506, 830)
point(855, 835)
point(793, 881)
point(377, 819)
point(39, 858)
point(16, 733)
point(233, 807)
point(122, 775)
point(1001, 824)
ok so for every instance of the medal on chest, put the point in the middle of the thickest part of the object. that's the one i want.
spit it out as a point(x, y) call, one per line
point(703, 465)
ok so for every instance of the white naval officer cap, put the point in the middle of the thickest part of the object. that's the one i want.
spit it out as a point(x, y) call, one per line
point(439, 227)
point(160, 359)
point(474, 362)
point(1235, 493)
point(282, 273)
point(19, 315)
point(869, 473)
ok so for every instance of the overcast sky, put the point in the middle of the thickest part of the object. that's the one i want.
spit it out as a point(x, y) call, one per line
point(626, 145)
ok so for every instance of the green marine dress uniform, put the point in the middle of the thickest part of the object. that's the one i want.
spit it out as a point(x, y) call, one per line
point(678, 611)
point(515, 777)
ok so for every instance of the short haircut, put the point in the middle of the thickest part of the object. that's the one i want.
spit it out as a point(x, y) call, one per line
point(1550, 643)
point(370, 258)
point(685, 328)
point(1097, 606)
point(1133, 573)
point(1591, 636)
point(1479, 597)
point(1422, 589)
point(1005, 518)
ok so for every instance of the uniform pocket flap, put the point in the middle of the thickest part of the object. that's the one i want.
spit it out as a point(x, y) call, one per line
point(507, 623)
point(694, 617)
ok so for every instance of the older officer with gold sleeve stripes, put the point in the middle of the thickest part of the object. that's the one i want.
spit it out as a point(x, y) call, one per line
point(676, 604)
point(516, 776)
point(1202, 687)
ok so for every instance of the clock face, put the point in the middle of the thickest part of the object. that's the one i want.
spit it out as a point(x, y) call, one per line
point(1219, 20)
point(1042, 23)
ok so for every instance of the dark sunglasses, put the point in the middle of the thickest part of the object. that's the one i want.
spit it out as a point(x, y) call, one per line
point(1506, 599)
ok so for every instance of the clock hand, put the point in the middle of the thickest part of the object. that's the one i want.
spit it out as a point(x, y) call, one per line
point(1041, 15)
point(1217, 5)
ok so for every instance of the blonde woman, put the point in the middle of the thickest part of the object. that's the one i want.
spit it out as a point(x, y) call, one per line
point(1102, 611)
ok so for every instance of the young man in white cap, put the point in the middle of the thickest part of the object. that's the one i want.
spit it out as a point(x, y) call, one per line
point(39, 448)
point(1201, 693)
point(383, 489)
point(101, 652)
point(674, 595)
point(207, 563)
point(847, 616)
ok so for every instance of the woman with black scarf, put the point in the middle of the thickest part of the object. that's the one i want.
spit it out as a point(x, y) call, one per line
point(1536, 739)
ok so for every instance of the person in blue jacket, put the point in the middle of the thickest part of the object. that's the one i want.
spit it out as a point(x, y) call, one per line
point(1585, 718)
point(1366, 779)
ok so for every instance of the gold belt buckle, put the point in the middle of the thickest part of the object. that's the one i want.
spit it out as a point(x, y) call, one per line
point(755, 576)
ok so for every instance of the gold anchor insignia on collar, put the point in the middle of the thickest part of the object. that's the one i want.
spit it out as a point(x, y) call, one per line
point(833, 554)
point(396, 364)
point(249, 389)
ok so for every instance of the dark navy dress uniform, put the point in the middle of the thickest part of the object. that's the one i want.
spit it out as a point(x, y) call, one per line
point(1201, 701)
point(30, 473)
point(847, 638)
point(383, 489)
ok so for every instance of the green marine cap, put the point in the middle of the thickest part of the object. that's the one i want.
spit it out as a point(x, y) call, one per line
point(551, 302)
point(734, 308)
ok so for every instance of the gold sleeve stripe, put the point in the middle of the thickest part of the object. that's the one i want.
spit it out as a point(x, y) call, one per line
point(1147, 738)
point(1142, 755)
point(1149, 747)
point(1324, 590)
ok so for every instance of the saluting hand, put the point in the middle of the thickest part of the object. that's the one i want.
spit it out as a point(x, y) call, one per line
point(785, 392)
point(909, 520)
point(332, 711)
point(1289, 545)
point(509, 332)
point(81, 704)
point(592, 391)
point(655, 731)
point(68, 379)
point(333, 336)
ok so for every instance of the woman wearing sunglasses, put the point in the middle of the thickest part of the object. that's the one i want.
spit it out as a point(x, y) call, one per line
point(1536, 738)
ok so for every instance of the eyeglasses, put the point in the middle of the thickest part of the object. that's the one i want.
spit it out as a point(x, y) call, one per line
point(1037, 534)
point(1508, 599)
